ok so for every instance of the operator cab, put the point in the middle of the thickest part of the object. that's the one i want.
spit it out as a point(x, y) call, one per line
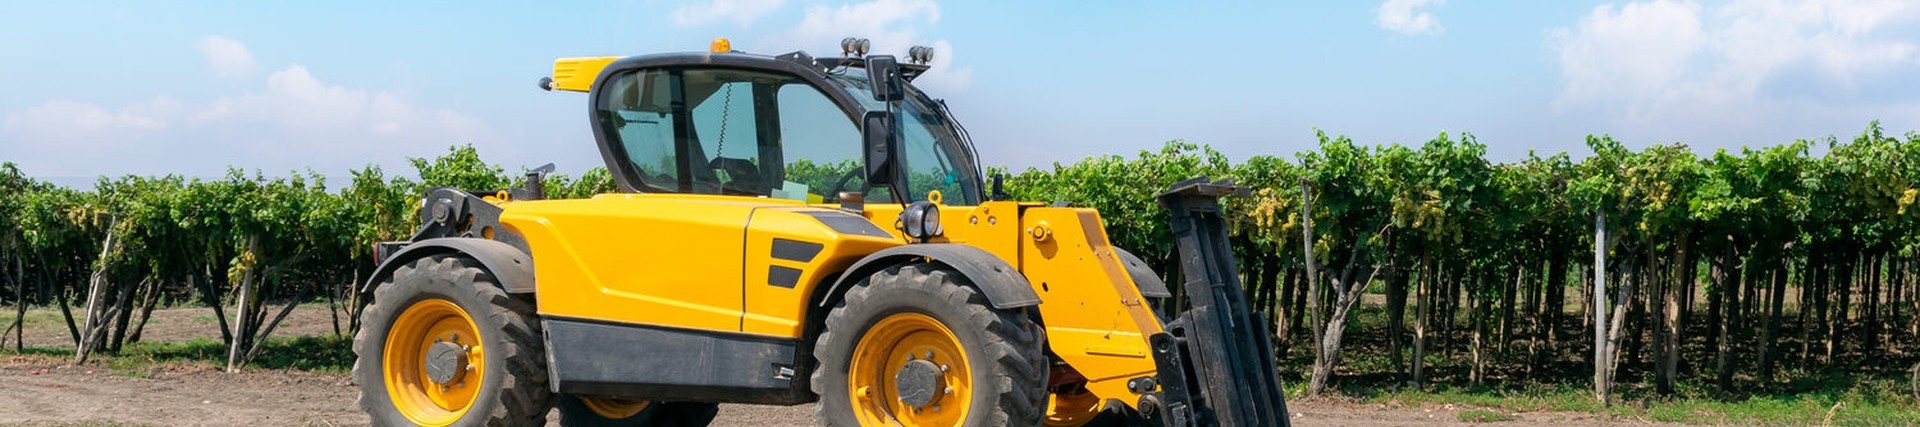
point(788, 127)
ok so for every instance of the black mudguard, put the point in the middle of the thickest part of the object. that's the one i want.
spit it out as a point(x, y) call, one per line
point(513, 267)
point(1003, 285)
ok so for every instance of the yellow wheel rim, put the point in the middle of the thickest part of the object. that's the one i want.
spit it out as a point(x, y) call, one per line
point(900, 343)
point(613, 408)
point(1070, 410)
point(411, 340)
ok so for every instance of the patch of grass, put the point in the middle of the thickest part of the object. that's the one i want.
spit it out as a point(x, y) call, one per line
point(133, 374)
point(1868, 403)
point(318, 354)
point(1561, 399)
point(38, 318)
point(1852, 390)
point(1799, 410)
point(141, 360)
point(1478, 415)
point(39, 351)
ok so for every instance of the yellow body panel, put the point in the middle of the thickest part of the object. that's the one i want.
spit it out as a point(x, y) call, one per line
point(577, 74)
point(992, 226)
point(656, 259)
point(1096, 319)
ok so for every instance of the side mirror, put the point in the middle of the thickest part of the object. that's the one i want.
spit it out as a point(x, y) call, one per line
point(877, 135)
point(883, 73)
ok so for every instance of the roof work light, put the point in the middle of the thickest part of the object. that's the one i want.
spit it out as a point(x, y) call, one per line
point(920, 54)
point(853, 47)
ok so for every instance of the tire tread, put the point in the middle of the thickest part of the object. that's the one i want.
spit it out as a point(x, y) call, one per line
point(524, 397)
point(1015, 344)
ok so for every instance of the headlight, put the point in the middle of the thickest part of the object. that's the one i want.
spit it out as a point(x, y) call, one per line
point(921, 220)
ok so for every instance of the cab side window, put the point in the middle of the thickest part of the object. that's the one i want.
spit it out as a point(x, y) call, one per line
point(821, 145)
point(929, 165)
point(725, 127)
point(727, 131)
point(638, 117)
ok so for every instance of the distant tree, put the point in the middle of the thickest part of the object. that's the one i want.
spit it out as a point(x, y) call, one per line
point(460, 168)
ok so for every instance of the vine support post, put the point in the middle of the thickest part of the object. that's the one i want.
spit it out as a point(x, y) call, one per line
point(1600, 377)
point(1314, 303)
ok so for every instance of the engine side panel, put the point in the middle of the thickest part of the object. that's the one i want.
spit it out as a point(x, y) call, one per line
point(790, 252)
point(652, 259)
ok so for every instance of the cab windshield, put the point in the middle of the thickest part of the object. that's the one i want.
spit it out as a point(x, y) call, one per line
point(935, 154)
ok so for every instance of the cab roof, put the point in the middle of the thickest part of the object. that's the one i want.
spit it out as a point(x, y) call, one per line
point(577, 74)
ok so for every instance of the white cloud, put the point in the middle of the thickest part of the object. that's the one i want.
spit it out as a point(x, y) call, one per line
point(228, 57)
point(891, 26)
point(1404, 17)
point(1669, 63)
point(68, 120)
point(295, 121)
point(1638, 51)
point(743, 12)
point(295, 101)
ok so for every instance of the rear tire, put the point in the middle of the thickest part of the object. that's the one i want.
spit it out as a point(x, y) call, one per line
point(927, 349)
point(451, 299)
point(581, 411)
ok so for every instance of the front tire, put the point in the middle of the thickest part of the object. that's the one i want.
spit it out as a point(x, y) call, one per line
point(443, 345)
point(914, 345)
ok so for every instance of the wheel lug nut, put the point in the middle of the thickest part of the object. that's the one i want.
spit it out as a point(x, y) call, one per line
point(948, 390)
point(929, 354)
point(943, 368)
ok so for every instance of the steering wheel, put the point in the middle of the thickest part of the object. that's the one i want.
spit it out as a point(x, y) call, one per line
point(833, 194)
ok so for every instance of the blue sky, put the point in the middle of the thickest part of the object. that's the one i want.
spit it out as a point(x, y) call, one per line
point(92, 88)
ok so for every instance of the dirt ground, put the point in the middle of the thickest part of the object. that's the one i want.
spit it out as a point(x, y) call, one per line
point(43, 390)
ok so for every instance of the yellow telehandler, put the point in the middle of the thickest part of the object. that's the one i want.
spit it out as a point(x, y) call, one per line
point(793, 230)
